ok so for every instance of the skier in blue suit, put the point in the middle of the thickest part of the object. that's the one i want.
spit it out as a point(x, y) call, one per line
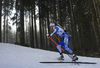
point(65, 42)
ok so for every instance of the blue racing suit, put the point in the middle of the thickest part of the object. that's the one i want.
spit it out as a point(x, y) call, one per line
point(65, 42)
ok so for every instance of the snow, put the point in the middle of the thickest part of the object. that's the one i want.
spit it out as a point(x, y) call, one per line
point(15, 56)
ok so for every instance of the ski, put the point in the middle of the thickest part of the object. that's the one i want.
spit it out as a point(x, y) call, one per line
point(72, 62)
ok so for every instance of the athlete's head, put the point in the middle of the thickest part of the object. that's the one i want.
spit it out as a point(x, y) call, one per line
point(52, 25)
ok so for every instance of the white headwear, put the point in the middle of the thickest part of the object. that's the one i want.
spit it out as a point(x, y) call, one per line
point(52, 24)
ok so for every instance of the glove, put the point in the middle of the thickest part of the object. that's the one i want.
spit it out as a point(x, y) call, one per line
point(47, 35)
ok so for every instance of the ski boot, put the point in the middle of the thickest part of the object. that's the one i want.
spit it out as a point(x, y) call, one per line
point(61, 57)
point(74, 57)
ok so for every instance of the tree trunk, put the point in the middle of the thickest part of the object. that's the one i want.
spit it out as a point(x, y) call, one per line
point(22, 38)
point(31, 28)
point(0, 20)
point(4, 27)
point(36, 42)
point(58, 10)
point(73, 26)
point(40, 23)
point(96, 26)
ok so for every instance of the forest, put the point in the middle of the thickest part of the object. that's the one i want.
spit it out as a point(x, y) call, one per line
point(26, 22)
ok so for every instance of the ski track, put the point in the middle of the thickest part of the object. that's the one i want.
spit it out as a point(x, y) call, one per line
point(15, 56)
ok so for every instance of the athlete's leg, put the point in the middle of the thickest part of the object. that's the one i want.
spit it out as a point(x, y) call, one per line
point(60, 44)
point(66, 44)
point(60, 51)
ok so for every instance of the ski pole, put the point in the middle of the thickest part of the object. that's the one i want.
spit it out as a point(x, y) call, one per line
point(55, 43)
point(57, 38)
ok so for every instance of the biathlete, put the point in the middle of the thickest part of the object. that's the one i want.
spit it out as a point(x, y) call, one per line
point(65, 42)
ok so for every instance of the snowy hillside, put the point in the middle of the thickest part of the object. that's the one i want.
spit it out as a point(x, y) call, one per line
point(15, 56)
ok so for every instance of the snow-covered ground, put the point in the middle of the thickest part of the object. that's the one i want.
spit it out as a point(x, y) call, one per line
point(15, 56)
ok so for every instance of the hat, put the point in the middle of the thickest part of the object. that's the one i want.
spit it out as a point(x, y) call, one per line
point(52, 24)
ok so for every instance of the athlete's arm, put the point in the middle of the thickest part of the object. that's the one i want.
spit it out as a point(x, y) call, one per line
point(54, 32)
